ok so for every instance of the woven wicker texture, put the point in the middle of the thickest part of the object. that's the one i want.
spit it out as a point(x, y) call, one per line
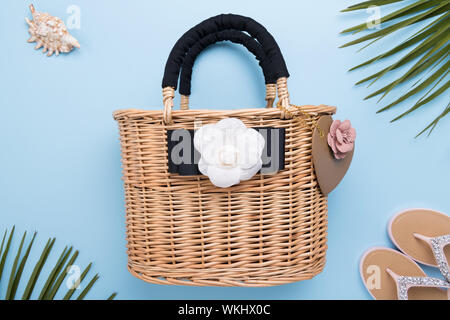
point(183, 230)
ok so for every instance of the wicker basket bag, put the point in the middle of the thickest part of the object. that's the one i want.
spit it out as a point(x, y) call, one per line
point(183, 230)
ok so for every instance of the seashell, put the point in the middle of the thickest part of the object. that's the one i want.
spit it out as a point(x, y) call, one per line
point(50, 32)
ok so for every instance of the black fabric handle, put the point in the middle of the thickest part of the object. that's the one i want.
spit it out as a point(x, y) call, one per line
point(276, 66)
point(227, 35)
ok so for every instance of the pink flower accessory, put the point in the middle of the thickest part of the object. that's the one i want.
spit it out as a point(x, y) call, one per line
point(341, 138)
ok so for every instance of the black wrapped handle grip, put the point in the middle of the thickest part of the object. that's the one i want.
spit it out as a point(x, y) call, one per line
point(276, 65)
point(226, 35)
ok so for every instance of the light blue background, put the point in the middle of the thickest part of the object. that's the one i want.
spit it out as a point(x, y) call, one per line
point(59, 148)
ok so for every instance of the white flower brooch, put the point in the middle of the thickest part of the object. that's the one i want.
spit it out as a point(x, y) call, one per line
point(230, 152)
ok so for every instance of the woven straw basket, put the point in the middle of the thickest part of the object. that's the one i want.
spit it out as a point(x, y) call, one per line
point(182, 230)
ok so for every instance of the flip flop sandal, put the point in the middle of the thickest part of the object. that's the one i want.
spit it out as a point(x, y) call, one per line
point(391, 275)
point(423, 235)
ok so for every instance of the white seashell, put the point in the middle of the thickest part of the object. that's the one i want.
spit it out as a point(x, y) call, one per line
point(230, 152)
point(50, 32)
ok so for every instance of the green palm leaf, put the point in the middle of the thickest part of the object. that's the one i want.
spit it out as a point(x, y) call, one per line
point(12, 276)
point(88, 287)
point(62, 276)
point(427, 97)
point(18, 275)
point(414, 7)
point(414, 39)
point(421, 66)
point(3, 242)
point(366, 4)
point(399, 25)
point(428, 50)
point(54, 273)
point(433, 124)
point(69, 293)
point(434, 41)
point(442, 71)
point(111, 297)
point(55, 277)
point(37, 269)
point(5, 253)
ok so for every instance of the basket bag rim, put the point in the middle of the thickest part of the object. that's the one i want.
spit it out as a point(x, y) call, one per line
point(311, 110)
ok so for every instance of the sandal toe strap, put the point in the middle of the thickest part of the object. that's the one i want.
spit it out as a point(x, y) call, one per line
point(404, 283)
point(437, 245)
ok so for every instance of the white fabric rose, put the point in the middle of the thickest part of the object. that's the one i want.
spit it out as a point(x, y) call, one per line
point(230, 152)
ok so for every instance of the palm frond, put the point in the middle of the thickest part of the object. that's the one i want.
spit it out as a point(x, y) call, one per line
point(62, 276)
point(54, 273)
point(54, 279)
point(5, 252)
point(428, 50)
point(442, 71)
point(412, 8)
point(424, 64)
point(37, 269)
point(427, 97)
point(111, 297)
point(433, 124)
point(12, 275)
point(18, 275)
point(399, 25)
point(88, 287)
point(70, 292)
point(433, 41)
point(366, 4)
point(414, 39)
point(3, 242)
